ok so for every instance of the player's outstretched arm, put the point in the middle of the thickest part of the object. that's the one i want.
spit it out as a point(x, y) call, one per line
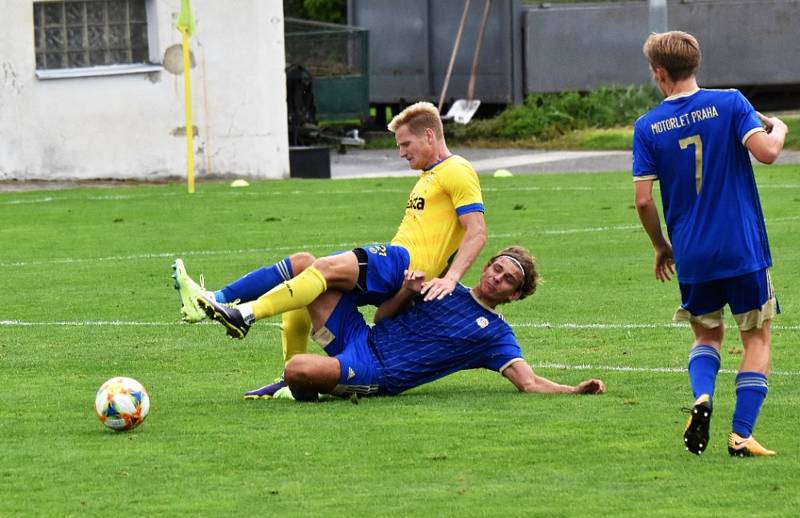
point(767, 145)
point(522, 376)
point(469, 249)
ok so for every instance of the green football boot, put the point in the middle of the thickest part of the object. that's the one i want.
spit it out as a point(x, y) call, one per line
point(189, 292)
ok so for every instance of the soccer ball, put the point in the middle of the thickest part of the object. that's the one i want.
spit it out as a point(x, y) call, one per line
point(122, 403)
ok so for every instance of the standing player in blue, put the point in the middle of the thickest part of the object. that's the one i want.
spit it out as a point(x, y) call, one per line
point(696, 143)
point(425, 339)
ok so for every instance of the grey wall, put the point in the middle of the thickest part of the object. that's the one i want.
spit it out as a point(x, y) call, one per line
point(744, 42)
point(411, 41)
point(530, 49)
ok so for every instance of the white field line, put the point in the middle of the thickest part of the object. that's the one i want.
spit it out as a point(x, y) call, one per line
point(346, 192)
point(292, 248)
point(83, 323)
point(122, 197)
point(539, 365)
point(518, 325)
point(328, 246)
point(172, 255)
point(565, 231)
point(622, 368)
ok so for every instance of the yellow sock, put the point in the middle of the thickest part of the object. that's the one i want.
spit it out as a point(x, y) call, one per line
point(295, 329)
point(294, 294)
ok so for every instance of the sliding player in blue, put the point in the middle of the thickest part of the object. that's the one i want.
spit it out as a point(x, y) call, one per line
point(442, 233)
point(416, 341)
point(695, 144)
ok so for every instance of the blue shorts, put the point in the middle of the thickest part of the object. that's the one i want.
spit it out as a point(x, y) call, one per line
point(745, 294)
point(347, 339)
point(381, 270)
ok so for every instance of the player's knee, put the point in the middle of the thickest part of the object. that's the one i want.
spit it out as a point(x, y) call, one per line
point(712, 337)
point(299, 375)
point(299, 370)
point(312, 372)
point(301, 261)
point(340, 271)
point(329, 266)
point(292, 372)
point(324, 264)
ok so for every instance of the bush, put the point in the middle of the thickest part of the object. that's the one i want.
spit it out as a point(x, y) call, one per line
point(548, 116)
point(332, 11)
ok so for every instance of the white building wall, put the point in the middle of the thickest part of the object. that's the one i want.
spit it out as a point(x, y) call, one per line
point(133, 126)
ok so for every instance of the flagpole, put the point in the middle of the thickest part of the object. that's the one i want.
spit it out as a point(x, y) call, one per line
point(185, 24)
point(187, 87)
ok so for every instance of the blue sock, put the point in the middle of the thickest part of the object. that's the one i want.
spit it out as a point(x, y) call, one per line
point(751, 389)
point(255, 283)
point(703, 369)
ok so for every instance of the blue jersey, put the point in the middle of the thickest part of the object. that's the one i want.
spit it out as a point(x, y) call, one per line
point(693, 145)
point(439, 337)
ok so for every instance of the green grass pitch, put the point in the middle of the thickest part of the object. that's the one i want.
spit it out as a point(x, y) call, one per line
point(87, 295)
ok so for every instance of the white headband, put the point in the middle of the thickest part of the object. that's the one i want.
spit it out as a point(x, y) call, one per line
point(519, 265)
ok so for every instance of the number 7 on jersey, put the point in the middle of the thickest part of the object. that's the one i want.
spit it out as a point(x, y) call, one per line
point(698, 157)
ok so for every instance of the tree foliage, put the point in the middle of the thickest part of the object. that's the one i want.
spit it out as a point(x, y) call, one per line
point(332, 11)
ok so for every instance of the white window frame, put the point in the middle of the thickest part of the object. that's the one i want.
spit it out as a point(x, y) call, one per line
point(105, 70)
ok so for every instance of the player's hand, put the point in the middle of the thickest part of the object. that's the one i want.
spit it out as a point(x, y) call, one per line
point(765, 121)
point(664, 266)
point(770, 123)
point(413, 280)
point(438, 288)
point(592, 386)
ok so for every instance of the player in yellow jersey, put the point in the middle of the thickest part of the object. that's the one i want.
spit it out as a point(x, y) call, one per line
point(443, 221)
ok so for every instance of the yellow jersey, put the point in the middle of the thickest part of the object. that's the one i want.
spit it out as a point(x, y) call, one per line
point(430, 229)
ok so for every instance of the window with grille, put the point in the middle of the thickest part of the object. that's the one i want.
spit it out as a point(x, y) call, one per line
point(76, 34)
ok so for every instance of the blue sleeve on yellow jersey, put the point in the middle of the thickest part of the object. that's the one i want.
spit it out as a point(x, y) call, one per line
point(461, 182)
point(472, 207)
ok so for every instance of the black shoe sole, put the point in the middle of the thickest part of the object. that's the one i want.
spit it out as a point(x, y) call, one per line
point(744, 452)
point(175, 276)
point(231, 329)
point(695, 438)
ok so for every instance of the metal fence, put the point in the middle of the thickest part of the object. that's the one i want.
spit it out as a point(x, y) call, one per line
point(336, 56)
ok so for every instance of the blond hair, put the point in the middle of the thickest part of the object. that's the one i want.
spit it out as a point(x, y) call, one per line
point(677, 52)
point(521, 256)
point(418, 117)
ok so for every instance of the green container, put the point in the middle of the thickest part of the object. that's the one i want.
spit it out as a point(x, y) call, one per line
point(342, 97)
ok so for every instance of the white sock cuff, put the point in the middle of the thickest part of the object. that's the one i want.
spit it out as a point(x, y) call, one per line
point(247, 313)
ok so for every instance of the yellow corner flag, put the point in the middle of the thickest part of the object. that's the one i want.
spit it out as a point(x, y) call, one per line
point(185, 24)
point(185, 18)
